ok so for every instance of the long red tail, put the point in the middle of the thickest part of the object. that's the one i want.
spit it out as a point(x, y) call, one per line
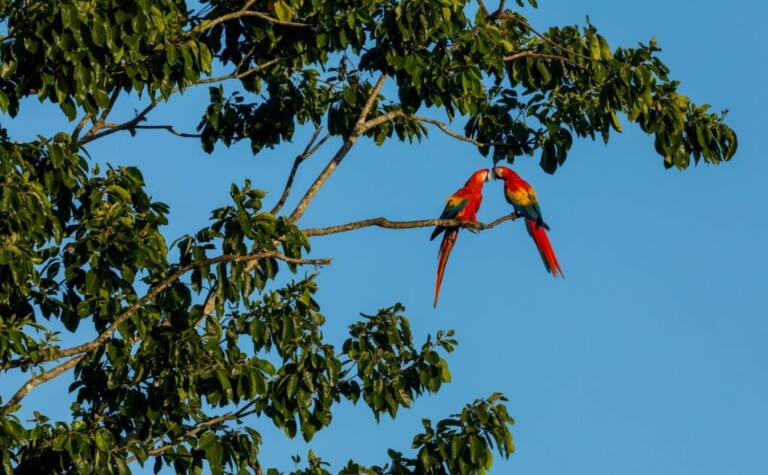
point(545, 248)
point(449, 239)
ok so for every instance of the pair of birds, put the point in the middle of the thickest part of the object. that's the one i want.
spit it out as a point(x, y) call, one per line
point(463, 206)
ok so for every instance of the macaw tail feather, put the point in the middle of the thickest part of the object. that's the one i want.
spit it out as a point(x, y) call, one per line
point(436, 232)
point(442, 257)
point(539, 236)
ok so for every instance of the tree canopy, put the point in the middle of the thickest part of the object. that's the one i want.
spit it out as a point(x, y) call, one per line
point(195, 337)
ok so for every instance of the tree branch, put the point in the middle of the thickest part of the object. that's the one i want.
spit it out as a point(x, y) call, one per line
point(210, 300)
point(76, 133)
point(378, 120)
point(483, 7)
point(360, 128)
point(424, 223)
point(236, 75)
point(533, 54)
point(444, 127)
point(94, 133)
point(308, 151)
point(97, 131)
point(169, 129)
point(247, 13)
point(517, 19)
point(199, 428)
point(133, 309)
point(40, 379)
point(501, 7)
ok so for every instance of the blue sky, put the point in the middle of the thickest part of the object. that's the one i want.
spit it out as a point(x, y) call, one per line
point(650, 356)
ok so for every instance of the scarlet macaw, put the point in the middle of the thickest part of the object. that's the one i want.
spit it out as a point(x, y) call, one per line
point(462, 206)
point(521, 196)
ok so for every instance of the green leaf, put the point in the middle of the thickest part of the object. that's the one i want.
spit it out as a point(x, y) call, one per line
point(3, 102)
point(594, 47)
point(213, 454)
point(104, 440)
point(605, 50)
point(282, 10)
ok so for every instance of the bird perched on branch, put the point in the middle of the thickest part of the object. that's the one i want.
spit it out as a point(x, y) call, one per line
point(519, 193)
point(462, 206)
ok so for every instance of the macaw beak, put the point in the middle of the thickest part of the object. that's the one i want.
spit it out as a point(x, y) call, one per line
point(496, 175)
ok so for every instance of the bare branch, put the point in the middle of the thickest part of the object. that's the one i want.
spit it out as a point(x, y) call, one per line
point(112, 101)
point(308, 151)
point(236, 75)
point(97, 123)
point(444, 127)
point(370, 101)
point(483, 7)
point(501, 7)
point(533, 54)
point(424, 223)
point(248, 4)
point(517, 19)
point(359, 129)
point(133, 309)
point(245, 58)
point(169, 129)
point(247, 13)
point(40, 379)
point(214, 421)
point(102, 129)
point(80, 125)
point(376, 121)
point(94, 133)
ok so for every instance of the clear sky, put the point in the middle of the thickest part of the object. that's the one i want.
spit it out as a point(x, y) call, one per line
point(650, 357)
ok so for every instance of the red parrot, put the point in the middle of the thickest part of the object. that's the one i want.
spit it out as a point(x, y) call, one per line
point(462, 206)
point(521, 196)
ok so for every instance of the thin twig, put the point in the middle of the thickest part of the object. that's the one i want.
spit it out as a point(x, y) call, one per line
point(483, 7)
point(424, 223)
point(133, 309)
point(533, 54)
point(199, 428)
point(444, 127)
point(98, 130)
point(501, 8)
point(80, 125)
point(169, 129)
point(245, 58)
point(360, 128)
point(378, 120)
point(95, 133)
point(369, 102)
point(308, 151)
point(236, 75)
point(246, 13)
point(248, 4)
point(525, 24)
point(40, 379)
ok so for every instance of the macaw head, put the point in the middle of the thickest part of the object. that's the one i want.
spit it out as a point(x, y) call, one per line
point(479, 177)
point(505, 174)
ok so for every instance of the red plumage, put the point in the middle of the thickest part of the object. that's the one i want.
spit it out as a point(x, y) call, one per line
point(520, 194)
point(463, 206)
point(449, 239)
point(539, 236)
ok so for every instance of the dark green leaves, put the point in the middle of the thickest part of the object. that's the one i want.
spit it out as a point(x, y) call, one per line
point(464, 442)
point(390, 372)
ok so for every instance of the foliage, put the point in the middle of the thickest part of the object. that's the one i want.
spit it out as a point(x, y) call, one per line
point(195, 337)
